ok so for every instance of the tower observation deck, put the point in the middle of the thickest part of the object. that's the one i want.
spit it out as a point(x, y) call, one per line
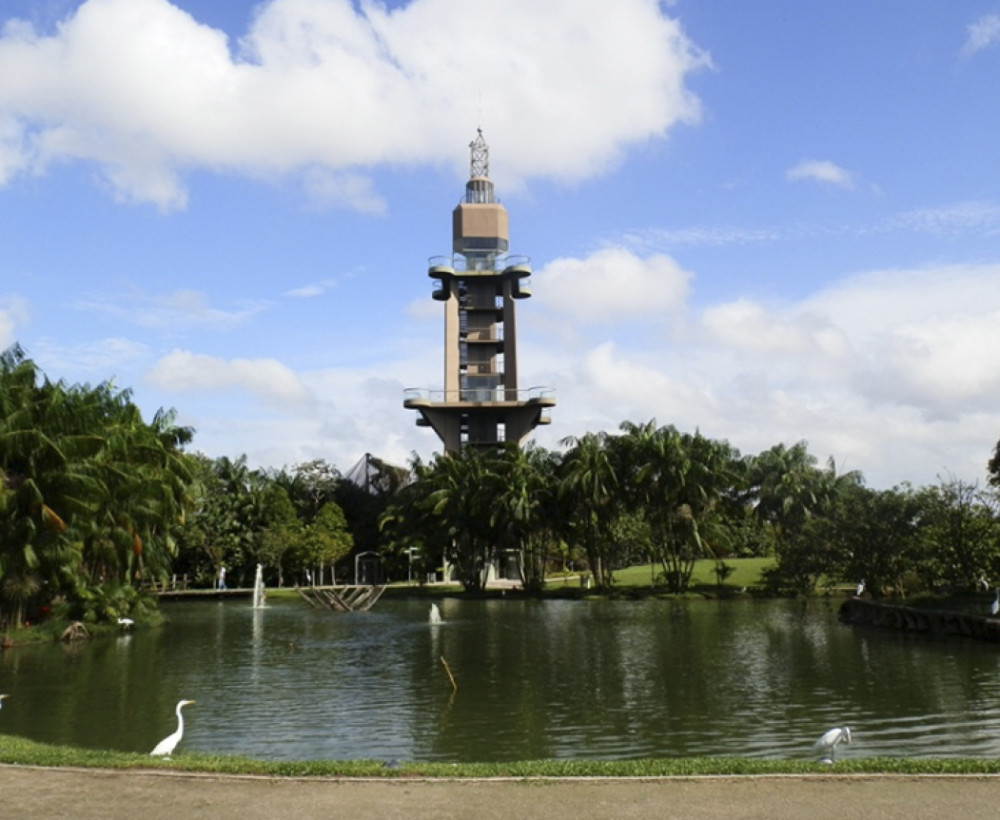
point(479, 284)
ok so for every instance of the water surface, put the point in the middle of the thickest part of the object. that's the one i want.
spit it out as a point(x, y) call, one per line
point(536, 679)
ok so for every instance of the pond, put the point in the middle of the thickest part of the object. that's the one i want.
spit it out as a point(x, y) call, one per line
point(535, 679)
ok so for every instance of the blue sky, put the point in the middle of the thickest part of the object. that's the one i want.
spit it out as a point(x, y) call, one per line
point(771, 221)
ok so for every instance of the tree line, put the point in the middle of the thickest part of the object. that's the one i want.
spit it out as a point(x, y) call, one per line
point(98, 506)
point(653, 494)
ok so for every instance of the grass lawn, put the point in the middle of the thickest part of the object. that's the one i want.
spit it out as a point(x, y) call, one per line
point(746, 573)
point(19, 751)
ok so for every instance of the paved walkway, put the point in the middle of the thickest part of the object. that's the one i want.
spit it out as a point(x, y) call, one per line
point(81, 794)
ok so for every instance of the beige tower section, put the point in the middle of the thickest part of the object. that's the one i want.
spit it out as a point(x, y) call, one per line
point(480, 284)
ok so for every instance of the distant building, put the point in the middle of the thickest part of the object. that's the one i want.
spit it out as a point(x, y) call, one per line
point(479, 284)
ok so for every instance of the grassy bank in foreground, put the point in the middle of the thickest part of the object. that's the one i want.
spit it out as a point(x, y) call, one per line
point(18, 751)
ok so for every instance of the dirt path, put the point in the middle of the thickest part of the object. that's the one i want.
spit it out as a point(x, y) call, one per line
point(28, 792)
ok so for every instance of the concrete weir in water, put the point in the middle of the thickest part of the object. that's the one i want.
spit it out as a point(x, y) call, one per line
point(356, 598)
point(859, 612)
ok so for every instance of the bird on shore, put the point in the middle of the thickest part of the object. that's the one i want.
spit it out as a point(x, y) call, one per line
point(126, 623)
point(1, 700)
point(859, 589)
point(166, 746)
point(829, 741)
point(995, 606)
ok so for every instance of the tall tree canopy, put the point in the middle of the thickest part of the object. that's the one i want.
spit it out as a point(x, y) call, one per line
point(90, 494)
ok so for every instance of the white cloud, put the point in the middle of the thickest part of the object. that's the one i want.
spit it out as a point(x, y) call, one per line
point(13, 159)
point(822, 171)
point(98, 360)
point(181, 371)
point(307, 291)
point(959, 218)
point(895, 373)
point(983, 33)
point(925, 341)
point(349, 412)
point(614, 284)
point(145, 92)
point(748, 326)
point(425, 310)
point(179, 309)
point(966, 218)
point(325, 189)
point(325, 285)
point(637, 385)
point(312, 289)
point(13, 312)
point(7, 337)
point(926, 338)
point(702, 236)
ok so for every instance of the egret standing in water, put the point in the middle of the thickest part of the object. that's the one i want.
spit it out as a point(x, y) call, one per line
point(829, 741)
point(859, 589)
point(995, 606)
point(166, 746)
point(126, 624)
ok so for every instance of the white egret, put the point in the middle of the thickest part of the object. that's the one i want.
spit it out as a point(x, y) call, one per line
point(859, 589)
point(995, 606)
point(166, 746)
point(126, 623)
point(1, 700)
point(830, 740)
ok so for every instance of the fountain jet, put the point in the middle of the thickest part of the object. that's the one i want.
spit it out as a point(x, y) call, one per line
point(258, 588)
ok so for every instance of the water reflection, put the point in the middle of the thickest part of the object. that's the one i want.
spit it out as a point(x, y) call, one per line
point(554, 679)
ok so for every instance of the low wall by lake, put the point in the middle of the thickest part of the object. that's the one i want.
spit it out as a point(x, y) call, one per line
point(184, 594)
point(861, 612)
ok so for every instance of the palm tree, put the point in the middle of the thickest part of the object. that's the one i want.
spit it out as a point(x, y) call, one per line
point(44, 487)
point(780, 487)
point(460, 500)
point(89, 492)
point(523, 490)
point(588, 488)
point(676, 481)
point(144, 480)
point(789, 492)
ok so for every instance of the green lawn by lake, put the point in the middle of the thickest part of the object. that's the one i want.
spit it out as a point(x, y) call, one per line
point(746, 573)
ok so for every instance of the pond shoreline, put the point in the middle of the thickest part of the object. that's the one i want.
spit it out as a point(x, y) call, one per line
point(854, 611)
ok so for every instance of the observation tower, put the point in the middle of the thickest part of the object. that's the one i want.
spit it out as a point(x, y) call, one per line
point(480, 284)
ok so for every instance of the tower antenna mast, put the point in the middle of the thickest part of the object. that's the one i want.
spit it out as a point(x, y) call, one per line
point(479, 165)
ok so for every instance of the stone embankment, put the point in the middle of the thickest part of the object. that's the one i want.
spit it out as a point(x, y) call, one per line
point(861, 612)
